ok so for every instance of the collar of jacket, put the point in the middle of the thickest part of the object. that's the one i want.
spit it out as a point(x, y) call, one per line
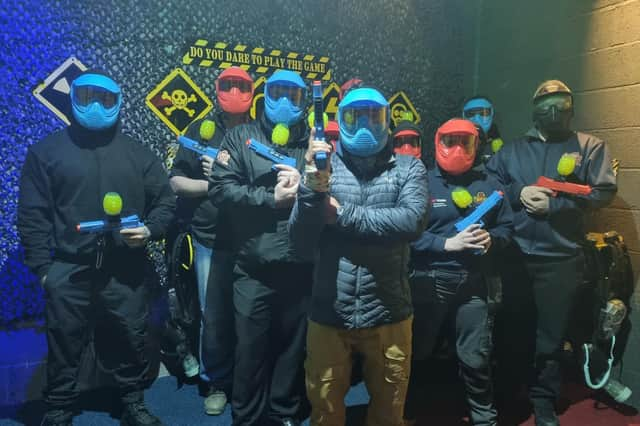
point(298, 133)
point(92, 138)
point(385, 159)
point(534, 134)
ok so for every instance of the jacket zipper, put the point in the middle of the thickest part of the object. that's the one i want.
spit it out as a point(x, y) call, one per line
point(356, 316)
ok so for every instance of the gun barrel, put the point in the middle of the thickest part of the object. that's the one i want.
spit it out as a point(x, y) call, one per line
point(318, 114)
point(476, 215)
point(197, 147)
point(100, 226)
point(270, 153)
point(566, 187)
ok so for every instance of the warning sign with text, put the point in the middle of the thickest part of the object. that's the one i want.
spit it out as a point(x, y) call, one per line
point(258, 60)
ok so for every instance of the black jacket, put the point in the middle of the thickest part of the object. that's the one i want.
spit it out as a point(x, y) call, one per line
point(361, 262)
point(428, 251)
point(245, 190)
point(64, 179)
point(561, 230)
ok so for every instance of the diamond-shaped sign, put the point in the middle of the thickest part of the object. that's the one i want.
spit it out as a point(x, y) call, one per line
point(402, 109)
point(331, 98)
point(178, 101)
point(53, 92)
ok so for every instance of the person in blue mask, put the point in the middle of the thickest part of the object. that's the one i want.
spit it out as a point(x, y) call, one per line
point(271, 284)
point(356, 219)
point(481, 112)
point(79, 174)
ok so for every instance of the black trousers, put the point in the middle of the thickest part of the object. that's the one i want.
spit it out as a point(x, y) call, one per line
point(109, 305)
point(455, 304)
point(539, 293)
point(271, 308)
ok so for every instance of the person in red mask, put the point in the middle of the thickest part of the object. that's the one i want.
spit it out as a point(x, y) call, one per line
point(452, 282)
point(204, 221)
point(407, 139)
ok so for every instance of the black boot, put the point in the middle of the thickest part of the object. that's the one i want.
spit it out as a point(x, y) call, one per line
point(135, 412)
point(57, 418)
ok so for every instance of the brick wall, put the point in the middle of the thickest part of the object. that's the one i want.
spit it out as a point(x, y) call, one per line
point(594, 46)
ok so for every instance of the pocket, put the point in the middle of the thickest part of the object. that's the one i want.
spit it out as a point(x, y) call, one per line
point(396, 364)
point(49, 276)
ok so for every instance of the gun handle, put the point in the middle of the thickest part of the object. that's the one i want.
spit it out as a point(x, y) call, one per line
point(321, 160)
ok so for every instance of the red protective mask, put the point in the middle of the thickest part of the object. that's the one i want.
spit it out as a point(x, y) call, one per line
point(332, 133)
point(456, 146)
point(234, 90)
point(407, 142)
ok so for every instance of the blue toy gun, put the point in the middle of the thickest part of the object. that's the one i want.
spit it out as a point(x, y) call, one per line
point(112, 223)
point(197, 147)
point(270, 154)
point(318, 117)
point(476, 215)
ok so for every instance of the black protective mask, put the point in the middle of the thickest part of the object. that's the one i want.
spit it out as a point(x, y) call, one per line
point(552, 115)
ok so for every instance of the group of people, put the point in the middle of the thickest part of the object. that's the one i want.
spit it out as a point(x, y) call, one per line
point(304, 266)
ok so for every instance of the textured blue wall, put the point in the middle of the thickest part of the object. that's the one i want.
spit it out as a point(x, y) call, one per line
point(409, 45)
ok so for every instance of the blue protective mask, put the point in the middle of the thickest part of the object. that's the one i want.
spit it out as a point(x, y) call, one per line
point(480, 112)
point(284, 95)
point(89, 108)
point(367, 134)
point(282, 111)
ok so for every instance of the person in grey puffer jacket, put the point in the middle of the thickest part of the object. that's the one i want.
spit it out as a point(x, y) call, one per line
point(356, 219)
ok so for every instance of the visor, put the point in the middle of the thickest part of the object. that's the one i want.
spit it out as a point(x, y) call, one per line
point(280, 89)
point(562, 102)
point(412, 140)
point(86, 95)
point(226, 84)
point(478, 111)
point(466, 141)
point(372, 117)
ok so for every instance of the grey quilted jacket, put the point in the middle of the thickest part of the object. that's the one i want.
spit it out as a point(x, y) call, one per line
point(361, 271)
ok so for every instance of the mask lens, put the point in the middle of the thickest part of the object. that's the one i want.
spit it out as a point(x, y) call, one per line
point(295, 94)
point(467, 142)
point(473, 112)
point(85, 95)
point(561, 102)
point(225, 85)
point(413, 141)
point(373, 118)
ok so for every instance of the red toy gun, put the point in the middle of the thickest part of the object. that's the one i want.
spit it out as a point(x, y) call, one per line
point(566, 187)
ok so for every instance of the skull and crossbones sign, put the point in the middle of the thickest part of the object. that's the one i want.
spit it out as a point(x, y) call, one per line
point(179, 100)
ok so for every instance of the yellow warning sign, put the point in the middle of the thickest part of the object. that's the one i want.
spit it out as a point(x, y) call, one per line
point(402, 109)
point(258, 60)
point(257, 106)
point(178, 101)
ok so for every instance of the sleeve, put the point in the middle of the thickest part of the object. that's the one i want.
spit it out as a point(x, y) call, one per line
point(186, 164)
point(35, 215)
point(502, 229)
point(160, 200)
point(601, 178)
point(405, 221)
point(431, 242)
point(497, 168)
point(307, 220)
point(229, 185)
